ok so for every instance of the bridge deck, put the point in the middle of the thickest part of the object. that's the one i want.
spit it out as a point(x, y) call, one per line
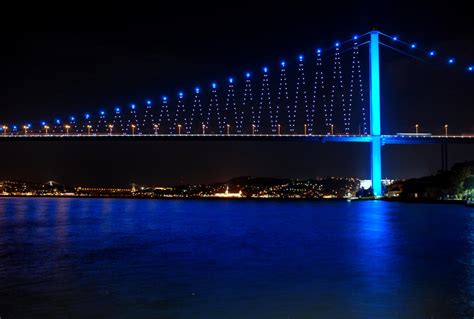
point(386, 139)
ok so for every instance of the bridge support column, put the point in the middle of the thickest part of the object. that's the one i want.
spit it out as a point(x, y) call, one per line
point(375, 129)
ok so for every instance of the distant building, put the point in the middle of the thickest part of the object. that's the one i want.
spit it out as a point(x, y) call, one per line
point(227, 194)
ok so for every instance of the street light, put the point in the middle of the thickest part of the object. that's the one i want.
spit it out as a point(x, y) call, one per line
point(279, 129)
point(25, 127)
point(5, 129)
point(332, 129)
point(228, 129)
point(203, 129)
point(179, 129)
point(253, 129)
point(67, 127)
point(110, 128)
point(89, 129)
point(155, 128)
point(133, 128)
point(446, 129)
point(305, 129)
point(416, 128)
point(46, 128)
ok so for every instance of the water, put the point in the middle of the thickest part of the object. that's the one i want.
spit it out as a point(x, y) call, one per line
point(109, 258)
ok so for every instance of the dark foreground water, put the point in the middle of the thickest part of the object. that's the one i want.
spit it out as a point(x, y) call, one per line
point(104, 258)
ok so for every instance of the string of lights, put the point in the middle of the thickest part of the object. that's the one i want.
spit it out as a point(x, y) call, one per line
point(283, 97)
point(164, 121)
point(265, 103)
point(246, 101)
point(195, 110)
point(318, 82)
point(431, 54)
point(148, 119)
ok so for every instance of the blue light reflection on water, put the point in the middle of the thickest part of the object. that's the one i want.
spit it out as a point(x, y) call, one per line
point(234, 259)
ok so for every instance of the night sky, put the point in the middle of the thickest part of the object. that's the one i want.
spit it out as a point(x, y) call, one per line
point(70, 60)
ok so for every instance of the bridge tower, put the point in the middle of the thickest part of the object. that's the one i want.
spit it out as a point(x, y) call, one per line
point(375, 130)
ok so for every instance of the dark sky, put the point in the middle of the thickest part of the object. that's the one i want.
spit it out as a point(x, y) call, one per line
point(66, 60)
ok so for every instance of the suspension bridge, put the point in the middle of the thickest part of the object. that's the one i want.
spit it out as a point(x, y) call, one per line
point(339, 102)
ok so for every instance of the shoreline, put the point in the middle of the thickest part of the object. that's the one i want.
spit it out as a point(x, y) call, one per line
point(410, 201)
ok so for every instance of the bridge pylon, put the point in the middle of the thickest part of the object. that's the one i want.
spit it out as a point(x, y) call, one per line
point(375, 130)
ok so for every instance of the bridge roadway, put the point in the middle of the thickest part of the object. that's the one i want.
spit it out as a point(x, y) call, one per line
point(386, 139)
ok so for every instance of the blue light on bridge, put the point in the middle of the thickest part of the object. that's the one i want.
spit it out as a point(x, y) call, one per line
point(43, 123)
point(231, 80)
point(375, 130)
point(72, 118)
point(432, 53)
point(148, 102)
point(102, 113)
point(395, 38)
point(15, 127)
point(197, 90)
point(300, 58)
point(470, 68)
point(413, 46)
point(214, 85)
point(58, 121)
point(265, 69)
point(132, 106)
point(180, 94)
point(318, 51)
point(165, 98)
point(87, 116)
point(355, 37)
point(337, 44)
point(247, 75)
point(451, 60)
point(283, 64)
point(117, 110)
